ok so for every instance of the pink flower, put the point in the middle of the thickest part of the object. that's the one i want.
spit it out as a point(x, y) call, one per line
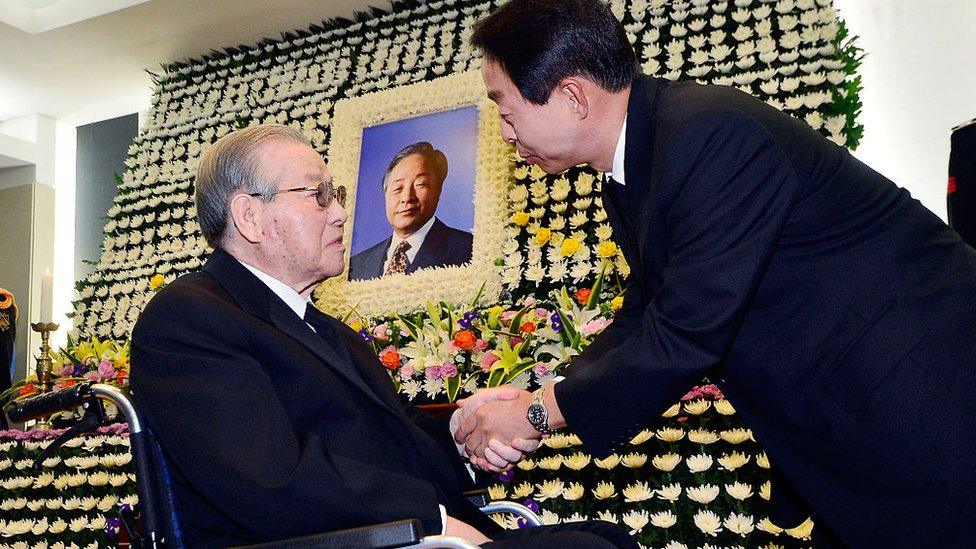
point(507, 316)
point(540, 369)
point(528, 302)
point(487, 361)
point(480, 344)
point(106, 369)
point(596, 326)
point(407, 371)
point(708, 392)
point(93, 376)
point(433, 372)
point(541, 313)
point(65, 370)
point(448, 369)
point(381, 332)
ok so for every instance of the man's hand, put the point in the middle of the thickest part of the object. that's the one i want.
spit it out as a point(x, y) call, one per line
point(496, 426)
point(461, 529)
point(499, 456)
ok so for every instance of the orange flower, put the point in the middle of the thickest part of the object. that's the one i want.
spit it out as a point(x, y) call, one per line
point(390, 359)
point(583, 295)
point(26, 390)
point(527, 327)
point(465, 340)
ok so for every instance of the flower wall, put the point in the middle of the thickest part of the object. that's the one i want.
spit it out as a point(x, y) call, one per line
point(698, 479)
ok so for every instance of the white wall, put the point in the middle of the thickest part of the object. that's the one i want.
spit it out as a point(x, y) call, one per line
point(919, 81)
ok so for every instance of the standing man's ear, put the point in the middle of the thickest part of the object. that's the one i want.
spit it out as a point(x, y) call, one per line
point(573, 93)
point(247, 215)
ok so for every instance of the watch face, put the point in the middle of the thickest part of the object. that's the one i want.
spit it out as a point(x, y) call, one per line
point(537, 415)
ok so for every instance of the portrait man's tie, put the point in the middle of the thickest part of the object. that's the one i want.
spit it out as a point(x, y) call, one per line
point(399, 262)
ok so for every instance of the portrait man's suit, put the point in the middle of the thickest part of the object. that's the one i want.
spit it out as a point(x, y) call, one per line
point(220, 364)
point(443, 246)
point(834, 311)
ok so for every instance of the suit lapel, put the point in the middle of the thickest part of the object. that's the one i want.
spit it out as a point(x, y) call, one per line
point(432, 249)
point(255, 298)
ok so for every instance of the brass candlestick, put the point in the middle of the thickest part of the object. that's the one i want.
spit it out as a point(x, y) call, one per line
point(44, 364)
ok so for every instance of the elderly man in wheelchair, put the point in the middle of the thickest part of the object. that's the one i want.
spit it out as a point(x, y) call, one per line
point(274, 420)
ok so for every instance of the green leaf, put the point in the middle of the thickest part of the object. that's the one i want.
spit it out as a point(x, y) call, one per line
point(474, 302)
point(517, 370)
point(595, 292)
point(452, 385)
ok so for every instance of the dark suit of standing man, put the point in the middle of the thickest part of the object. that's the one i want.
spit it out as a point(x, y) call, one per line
point(279, 421)
point(834, 311)
point(8, 333)
point(412, 187)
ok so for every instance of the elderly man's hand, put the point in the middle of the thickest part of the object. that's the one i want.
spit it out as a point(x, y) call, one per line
point(493, 428)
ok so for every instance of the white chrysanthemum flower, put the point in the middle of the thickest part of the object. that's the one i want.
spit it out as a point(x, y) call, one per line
point(607, 516)
point(697, 407)
point(551, 463)
point(577, 461)
point(636, 520)
point(739, 490)
point(670, 492)
point(526, 464)
point(53, 503)
point(573, 492)
point(608, 462)
point(767, 526)
point(699, 463)
point(35, 504)
point(703, 494)
point(664, 519)
point(736, 436)
point(708, 522)
point(637, 492)
point(675, 545)
point(739, 524)
point(549, 489)
point(88, 503)
point(666, 462)
point(522, 490)
point(107, 503)
point(724, 407)
point(762, 460)
point(78, 524)
point(548, 517)
point(99, 478)
point(674, 409)
point(578, 219)
point(641, 437)
point(765, 490)
point(634, 461)
point(702, 436)
point(733, 461)
point(71, 503)
point(802, 531)
point(604, 490)
point(670, 434)
point(58, 526)
point(40, 527)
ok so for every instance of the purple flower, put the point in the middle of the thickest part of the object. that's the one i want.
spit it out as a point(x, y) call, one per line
point(506, 476)
point(556, 322)
point(79, 370)
point(448, 369)
point(533, 506)
point(470, 315)
point(433, 371)
point(365, 335)
point(464, 323)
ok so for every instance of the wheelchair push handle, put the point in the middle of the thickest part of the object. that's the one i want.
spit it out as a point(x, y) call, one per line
point(49, 403)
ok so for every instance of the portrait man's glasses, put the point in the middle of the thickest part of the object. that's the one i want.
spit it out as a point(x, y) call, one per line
point(325, 193)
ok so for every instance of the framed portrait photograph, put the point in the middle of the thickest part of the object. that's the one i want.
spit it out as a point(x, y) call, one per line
point(427, 174)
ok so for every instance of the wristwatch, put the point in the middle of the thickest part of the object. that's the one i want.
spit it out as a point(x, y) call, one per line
point(538, 415)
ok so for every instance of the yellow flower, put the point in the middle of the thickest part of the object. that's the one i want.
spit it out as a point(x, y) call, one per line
point(739, 524)
point(736, 436)
point(765, 490)
point(723, 407)
point(606, 516)
point(574, 440)
point(703, 494)
point(577, 461)
point(608, 462)
point(356, 325)
point(733, 461)
point(641, 437)
point(739, 490)
point(557, 441)
point(156, 282)
point(604, 490)
point(670, 492)
point(767, 526)
point(542, 236)
point(550, 489)
point(497, 492)
point(697, 407)
point(573, 492)
point(520, 218)
point(675, 408)
point(666, 462)
point(634, 461)
point(708, 522)
point(570, 246)
point(699, 463)
point(637, 492)
point(664, 519)
point(522, 490)
point(762, 460)
point(526, 465)
point(551, 463)
point(702, 436)
point(636, 520)
point(802, 531)
point(670, 434)
point(606, 249)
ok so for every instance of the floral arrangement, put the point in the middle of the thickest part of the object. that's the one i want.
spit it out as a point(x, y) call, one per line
point(74, 499)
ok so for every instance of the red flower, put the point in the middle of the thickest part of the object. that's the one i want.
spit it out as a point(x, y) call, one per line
point(26, 390)
point(583, 295)
point(527, 327)
point(465, 340)
point(390, 359)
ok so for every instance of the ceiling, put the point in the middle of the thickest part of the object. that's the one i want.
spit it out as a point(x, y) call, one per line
point(71, 59)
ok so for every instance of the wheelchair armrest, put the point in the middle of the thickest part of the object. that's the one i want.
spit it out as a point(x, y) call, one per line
point(478, 497)
point(378, 536)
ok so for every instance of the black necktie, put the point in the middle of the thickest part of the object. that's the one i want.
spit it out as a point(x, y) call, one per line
point(326, 332)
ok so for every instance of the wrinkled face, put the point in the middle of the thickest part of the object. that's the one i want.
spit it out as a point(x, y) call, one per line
point(544, 135)
point(412, 191)
point(302, 239)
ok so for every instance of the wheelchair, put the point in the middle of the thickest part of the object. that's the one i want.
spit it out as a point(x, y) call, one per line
point(158, 525)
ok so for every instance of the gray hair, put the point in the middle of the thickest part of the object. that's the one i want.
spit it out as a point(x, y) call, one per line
point(230, 166)
point(436, 159)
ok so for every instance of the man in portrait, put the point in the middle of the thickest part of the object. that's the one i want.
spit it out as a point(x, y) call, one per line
point(412, 187)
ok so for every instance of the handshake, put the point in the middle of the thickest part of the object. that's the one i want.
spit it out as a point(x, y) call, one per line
point(492, 430)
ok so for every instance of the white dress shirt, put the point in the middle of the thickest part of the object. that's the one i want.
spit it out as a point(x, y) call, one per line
point(618, 155)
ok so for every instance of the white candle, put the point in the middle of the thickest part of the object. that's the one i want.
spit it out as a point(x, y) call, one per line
point(47, 289)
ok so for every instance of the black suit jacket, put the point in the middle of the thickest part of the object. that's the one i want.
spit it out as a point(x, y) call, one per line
point(835, 312)
point(443, 246)
point(272, 433)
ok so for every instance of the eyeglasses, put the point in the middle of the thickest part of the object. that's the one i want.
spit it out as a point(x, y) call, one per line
point(325, 193)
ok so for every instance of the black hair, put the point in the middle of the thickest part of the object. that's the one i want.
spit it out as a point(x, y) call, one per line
point(540, 42)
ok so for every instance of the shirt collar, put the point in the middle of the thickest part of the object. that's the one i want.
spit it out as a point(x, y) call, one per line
point(293, 299)
point(618, 155)
point(415, 240)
